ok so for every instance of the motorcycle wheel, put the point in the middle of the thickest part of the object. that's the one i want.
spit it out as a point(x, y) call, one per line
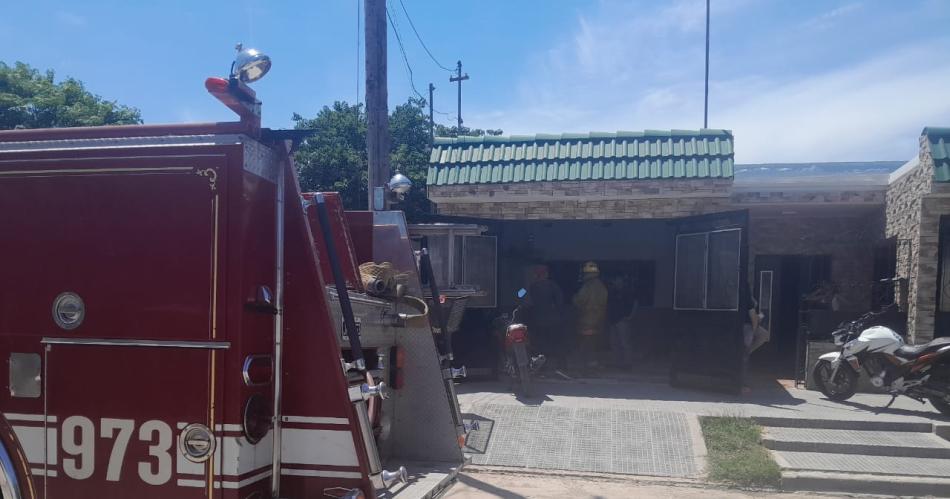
point(941, 404)
point(843, 387)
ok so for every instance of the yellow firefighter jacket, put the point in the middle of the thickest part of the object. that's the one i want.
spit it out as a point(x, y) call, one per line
point(591, 305)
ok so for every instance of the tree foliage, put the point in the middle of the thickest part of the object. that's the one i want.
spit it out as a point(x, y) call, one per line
point(334, 157)
point(31, 99)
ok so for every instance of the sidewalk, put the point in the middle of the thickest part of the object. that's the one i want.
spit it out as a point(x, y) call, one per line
point(477, 484)
point(768, 399)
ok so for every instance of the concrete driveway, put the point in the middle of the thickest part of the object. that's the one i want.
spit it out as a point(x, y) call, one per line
point(637, 428)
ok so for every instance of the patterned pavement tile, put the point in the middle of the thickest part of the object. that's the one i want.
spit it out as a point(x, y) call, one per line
point(596, 439)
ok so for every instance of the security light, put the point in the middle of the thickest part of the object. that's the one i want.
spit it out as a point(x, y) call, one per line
point(400, 184)
point(250, 65)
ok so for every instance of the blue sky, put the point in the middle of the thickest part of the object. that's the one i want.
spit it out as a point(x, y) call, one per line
point(802, 80)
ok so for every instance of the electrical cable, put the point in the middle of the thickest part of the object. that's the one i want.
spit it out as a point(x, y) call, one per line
point(418, 37)
point(405, 58)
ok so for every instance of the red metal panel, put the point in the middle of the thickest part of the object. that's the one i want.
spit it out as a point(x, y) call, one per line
point(361, 230)
point(341, 238)
point(315, 385)
point(112, 443)
point(166, 243)
point(138, 238)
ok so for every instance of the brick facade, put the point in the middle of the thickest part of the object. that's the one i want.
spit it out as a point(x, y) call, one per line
point(612, 199)
point(847, 239)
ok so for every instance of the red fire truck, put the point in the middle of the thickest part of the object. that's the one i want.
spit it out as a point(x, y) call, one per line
point(166, 322)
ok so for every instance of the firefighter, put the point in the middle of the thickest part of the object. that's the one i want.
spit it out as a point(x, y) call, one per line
point(547, 303)
point(590, 303)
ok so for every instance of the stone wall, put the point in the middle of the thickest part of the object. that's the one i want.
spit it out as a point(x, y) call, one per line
point(613, 199)
point(903, 211)
point(847, 239)
point(806, 196)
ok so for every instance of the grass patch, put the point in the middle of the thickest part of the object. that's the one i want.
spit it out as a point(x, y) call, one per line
point(735, 454)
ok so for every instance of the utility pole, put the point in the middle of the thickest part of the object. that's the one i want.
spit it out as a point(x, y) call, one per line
point(459, 78)
point(706, 97)
point(377, 107)
point(431, 123)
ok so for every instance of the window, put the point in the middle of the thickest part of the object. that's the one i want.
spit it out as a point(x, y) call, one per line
point(707, 270)
point(466, 263)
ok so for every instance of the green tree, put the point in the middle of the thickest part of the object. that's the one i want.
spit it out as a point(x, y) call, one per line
point(334, 157)
point(31, 99)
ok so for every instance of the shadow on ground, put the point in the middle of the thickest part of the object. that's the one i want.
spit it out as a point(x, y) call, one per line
point(765, 392)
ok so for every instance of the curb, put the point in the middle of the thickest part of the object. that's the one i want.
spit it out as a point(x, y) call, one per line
point(857, 449)
point(838, 424)
point(699, 443)
point(891, 485)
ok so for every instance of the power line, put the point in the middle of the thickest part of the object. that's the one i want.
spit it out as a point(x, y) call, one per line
point(405, 58)
point(358, 37)
point(413, 26)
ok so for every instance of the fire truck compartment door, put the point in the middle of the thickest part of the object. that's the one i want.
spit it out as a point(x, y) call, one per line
point(115, 415)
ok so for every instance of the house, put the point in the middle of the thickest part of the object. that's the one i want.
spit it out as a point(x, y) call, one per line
point(700, 236)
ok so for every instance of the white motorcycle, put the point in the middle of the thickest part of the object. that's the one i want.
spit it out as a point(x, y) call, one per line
point(921, 372)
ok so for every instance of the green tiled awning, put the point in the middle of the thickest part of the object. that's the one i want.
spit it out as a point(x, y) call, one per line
point(939, 139)
point(650, 154)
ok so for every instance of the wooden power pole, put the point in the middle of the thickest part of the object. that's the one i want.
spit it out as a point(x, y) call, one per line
point(459, 78)
point(377, 106)
point(431, 122)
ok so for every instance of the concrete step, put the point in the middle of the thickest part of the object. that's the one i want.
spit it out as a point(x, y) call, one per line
point(885, 485)
point(791, 461)
point(839, 424)
point(872, 443)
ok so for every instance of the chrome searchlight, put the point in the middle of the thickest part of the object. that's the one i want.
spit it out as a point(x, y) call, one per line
point(250, 64)
point(399, 184)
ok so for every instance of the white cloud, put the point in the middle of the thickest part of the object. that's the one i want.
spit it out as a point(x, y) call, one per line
point(623, 72)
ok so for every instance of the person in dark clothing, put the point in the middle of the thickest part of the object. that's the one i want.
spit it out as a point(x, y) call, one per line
point(621, 306)
point(547, 303)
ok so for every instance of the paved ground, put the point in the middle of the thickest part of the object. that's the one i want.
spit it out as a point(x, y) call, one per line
point(574, 425)
point(483, 485)
point(767, 399)
point(597, 439)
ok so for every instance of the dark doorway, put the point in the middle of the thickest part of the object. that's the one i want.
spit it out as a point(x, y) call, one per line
point(942, 316)
point(781, 284)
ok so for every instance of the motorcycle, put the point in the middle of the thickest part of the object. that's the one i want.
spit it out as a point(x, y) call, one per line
point(517, 363)
point(921, 372)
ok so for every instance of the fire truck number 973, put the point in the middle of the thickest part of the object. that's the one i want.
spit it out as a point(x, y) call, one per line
point(79, 438)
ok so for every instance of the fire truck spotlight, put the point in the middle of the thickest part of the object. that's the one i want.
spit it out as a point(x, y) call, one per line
point(257, 418)
point(400, 184)
point(68, 311)
point(197, 443)
point(250, 65)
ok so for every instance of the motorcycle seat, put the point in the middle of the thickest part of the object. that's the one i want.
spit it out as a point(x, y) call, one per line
point(913, 351)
